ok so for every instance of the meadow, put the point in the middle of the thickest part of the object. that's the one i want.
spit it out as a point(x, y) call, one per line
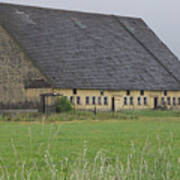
point(81, 146)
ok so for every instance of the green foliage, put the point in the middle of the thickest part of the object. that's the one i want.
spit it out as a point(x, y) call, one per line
point(63, 105)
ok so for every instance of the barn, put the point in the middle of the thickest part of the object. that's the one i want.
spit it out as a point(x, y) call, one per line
point(97, 61)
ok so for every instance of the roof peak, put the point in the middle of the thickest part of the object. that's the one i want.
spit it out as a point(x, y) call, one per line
point(65, 10)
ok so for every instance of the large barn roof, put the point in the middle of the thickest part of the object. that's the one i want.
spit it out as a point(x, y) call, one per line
point(92, 51)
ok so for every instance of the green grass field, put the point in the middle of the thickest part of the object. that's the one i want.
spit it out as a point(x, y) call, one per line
point(126, 145)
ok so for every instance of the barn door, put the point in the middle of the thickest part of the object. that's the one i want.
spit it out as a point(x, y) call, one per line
point(155, 103)
point(113, 104)
point(43, 104)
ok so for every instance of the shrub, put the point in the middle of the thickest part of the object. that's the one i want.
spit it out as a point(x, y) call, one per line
point(63, 105)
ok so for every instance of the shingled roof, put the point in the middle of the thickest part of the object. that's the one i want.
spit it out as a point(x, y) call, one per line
point(92, 51)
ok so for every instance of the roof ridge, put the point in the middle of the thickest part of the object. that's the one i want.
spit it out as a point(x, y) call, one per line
point(146, 48)
point(66, 10)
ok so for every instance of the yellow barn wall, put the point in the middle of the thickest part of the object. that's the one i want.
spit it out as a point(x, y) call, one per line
point(119, 99)
point(34, 95)
point(83, 94)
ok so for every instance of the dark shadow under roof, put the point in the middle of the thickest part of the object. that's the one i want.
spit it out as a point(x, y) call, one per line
point(92, 51)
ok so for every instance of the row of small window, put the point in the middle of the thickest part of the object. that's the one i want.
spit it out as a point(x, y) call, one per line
point(128, 93)
point(95, 100)
point(75, 92)
point(140, 100)
point(174, 101)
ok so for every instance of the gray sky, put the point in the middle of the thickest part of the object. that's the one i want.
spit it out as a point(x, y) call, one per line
point(163, 16)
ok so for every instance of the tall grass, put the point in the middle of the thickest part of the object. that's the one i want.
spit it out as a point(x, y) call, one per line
point(146, 163)
point(88, 115)
point(67, 116)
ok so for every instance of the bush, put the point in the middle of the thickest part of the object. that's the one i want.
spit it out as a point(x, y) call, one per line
point(63, 105)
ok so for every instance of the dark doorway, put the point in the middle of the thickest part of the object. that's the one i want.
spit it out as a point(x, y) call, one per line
point(43, 104)
point(155, 103)
point(113, 104)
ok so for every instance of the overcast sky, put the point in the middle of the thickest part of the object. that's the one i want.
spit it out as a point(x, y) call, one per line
point(163, 16)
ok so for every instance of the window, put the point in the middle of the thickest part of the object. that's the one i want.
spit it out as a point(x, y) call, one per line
point(105, 101)
point(165, 93)
point(145, 101)
point(162, 101)
point(102, 93)
point(131, 100)
point(99, 100)
point(94, 100)
point(125, 101)
point(72, 99)
point(142, 92)
point(78, 100)
point(128, 92)
point(174, 101)
point(139, 100)
point(87, 100)
point(179, 100)
point(74, 91)
point(169, 101)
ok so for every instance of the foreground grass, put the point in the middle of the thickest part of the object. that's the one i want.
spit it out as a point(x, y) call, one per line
point(127, 145)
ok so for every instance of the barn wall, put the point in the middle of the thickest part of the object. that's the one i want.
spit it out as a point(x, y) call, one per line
point(118, 96)
point(119, 99)
point(15, 70)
